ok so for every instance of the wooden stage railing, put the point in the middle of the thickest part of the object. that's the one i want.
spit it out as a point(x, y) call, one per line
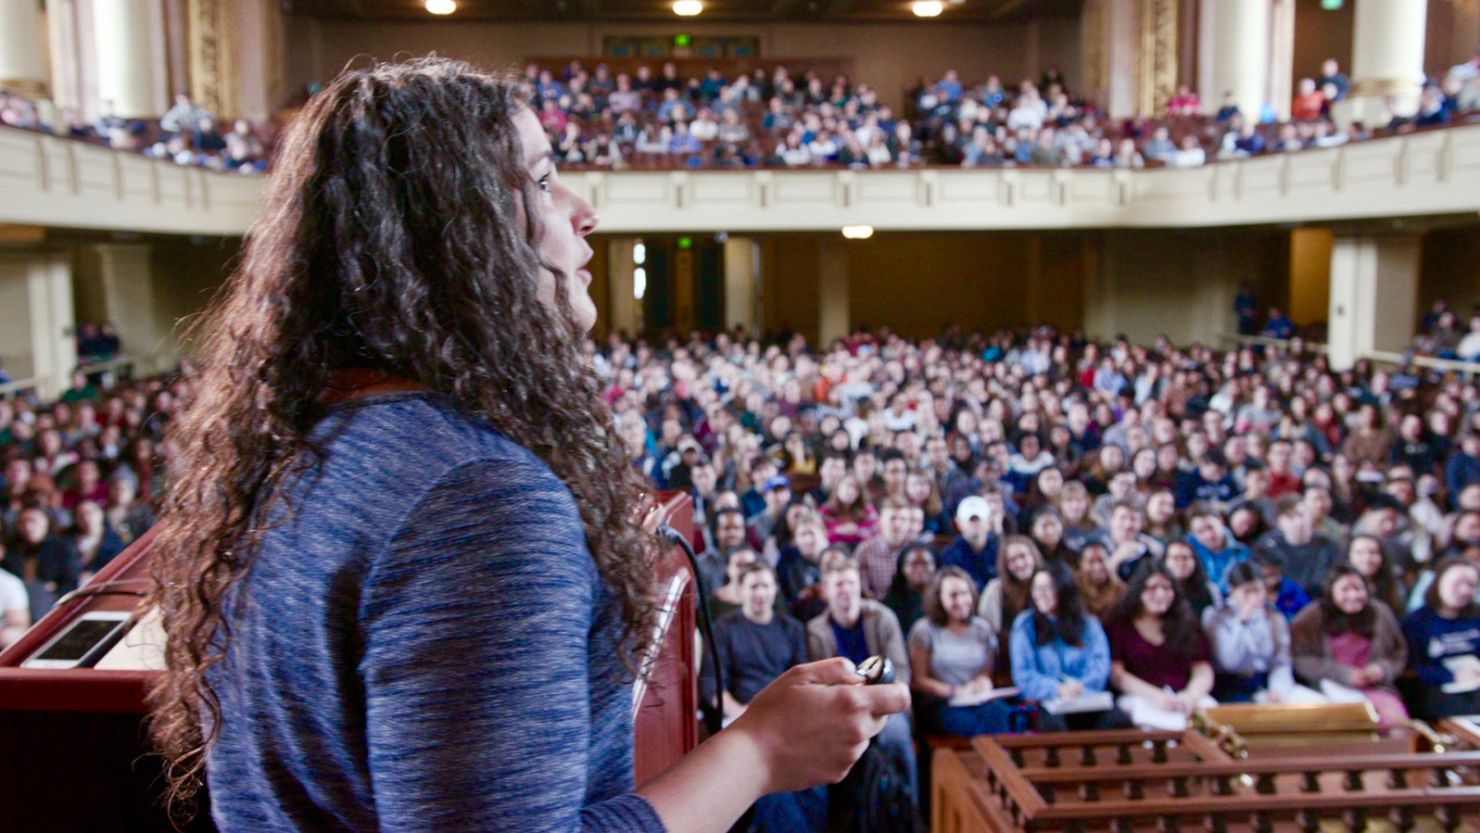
point(1128, 781)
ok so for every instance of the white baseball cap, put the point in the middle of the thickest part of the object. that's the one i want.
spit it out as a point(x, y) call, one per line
point(973, 507)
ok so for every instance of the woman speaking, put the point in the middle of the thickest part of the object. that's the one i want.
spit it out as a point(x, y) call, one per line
point(402, 568)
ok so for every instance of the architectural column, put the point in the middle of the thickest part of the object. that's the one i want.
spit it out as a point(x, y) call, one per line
point(1374, 296)
point(215, 33)
point(1235, 54)
point(626, 312)
point(37, 331)
point(1387, 59)
point(833, 317)
point(22, 65)
point(130, 56)
point(743, 284)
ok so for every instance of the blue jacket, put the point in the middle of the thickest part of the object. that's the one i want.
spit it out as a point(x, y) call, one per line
point(1039, 670)
point(1217, 563)
point(1433, 639)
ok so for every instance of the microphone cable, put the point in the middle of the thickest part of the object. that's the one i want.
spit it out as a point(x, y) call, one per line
point(713, 715)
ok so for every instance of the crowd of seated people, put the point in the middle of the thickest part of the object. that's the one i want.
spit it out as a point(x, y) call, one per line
point(773, 118)
point(1122, 533)
point(779, 120)
point(1448, 334)
point(186, 134)
point(80, 479)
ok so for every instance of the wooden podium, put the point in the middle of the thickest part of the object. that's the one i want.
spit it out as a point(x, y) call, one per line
point(73, 754)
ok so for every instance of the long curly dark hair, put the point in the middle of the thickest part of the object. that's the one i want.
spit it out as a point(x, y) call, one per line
point(393, 239)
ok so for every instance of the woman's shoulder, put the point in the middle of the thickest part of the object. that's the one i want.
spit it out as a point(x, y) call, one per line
point(1024, 623)
point(404, 450)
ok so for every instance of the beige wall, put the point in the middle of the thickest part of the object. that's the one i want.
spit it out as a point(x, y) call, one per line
point(185, 276)
point(1452, 33)
point(891, 57)
point(1179, 284)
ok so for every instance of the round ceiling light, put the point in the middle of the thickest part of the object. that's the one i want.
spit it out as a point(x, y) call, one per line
point(441, 6)
point(927, 8)
point(687, 8)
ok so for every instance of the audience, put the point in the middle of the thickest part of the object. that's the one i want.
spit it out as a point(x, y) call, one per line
point(770, 117)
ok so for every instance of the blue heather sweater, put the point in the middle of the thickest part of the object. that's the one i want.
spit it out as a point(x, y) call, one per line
point(424, 645)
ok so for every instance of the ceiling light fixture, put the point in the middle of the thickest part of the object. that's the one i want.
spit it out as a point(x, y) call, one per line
point(687, 8)
point(441, 6)
point(858, 232)
point(927, 8)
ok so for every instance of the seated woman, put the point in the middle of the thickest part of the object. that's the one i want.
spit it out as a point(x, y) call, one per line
point(1007, 595)
point(850, 518)
point(906, 595)
point(1251, 645)
point(1047, 532)
point(1365, 554)
point(1061, 653)
point(1444, 642)
point(952, 653)
point(1192, 579)
point(755, 646)
point(920, 490)
point(1162, 665)
point(1100, 589)
point(1352, 641)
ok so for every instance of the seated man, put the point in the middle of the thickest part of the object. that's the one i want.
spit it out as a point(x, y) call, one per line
point(976, 550)
point(756, 645)
point(858, 628)
point(15, 607)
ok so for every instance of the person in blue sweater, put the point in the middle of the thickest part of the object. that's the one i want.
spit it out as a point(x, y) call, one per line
point(1060, 653)
point(1215, 547)
point(1444, 642)
point(402, 534)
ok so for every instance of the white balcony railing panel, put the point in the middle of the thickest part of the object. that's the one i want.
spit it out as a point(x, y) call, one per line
point(49, 181)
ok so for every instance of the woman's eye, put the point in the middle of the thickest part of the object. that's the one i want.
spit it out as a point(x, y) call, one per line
point(544, 183)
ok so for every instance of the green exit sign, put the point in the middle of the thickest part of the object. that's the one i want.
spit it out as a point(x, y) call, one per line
point(686, 242)
point(685, 40)
point(1332, 5)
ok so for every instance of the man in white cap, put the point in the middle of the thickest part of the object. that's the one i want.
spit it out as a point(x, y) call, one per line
point(976, 550)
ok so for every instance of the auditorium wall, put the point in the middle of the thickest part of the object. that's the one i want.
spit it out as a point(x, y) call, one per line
point(1181, 284)
point(1448, 269)
point(1452, 31)
point(892, 57)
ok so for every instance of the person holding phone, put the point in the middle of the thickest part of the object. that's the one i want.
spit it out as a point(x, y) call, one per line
point(404, 534)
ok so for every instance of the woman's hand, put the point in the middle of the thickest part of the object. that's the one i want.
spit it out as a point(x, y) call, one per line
point(1187, 701)
point(812, 723)
point(1070, 689)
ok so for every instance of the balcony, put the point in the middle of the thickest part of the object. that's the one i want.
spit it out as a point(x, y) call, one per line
point(50, 181)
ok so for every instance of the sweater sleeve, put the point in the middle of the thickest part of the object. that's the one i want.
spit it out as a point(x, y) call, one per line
point(476, 664)
point(1096, 656)
point(1416, 631)
point(1026, 675)
point(1308, 650)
